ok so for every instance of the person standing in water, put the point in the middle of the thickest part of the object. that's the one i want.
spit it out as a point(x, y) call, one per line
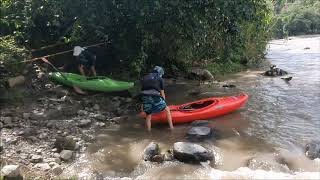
point(153, 96)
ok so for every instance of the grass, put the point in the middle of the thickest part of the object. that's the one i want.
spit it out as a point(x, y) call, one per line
point(221, 69)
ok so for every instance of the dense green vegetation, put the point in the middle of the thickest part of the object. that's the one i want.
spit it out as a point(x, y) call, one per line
point(296, 17)
point(172, 33)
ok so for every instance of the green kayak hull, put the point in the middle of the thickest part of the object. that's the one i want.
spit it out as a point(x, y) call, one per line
point(99, 83)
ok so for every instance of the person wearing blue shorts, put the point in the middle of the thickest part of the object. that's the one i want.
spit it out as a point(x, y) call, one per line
point(153, 96)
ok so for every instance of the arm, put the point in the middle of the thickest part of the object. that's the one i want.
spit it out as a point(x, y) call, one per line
point(163, 94)
point(162, 89)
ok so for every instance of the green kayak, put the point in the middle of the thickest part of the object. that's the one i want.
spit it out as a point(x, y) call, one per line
point(99, 83)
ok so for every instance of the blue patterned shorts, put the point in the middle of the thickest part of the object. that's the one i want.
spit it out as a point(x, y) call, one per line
point(153, 104)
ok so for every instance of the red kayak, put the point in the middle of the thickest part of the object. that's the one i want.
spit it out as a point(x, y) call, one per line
point(202, 109)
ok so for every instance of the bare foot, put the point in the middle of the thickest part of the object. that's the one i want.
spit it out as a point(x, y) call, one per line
point(79, 91)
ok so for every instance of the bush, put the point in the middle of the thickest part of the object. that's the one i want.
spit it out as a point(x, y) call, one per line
point(175, 34)
point(11, 54)
point(298, 19)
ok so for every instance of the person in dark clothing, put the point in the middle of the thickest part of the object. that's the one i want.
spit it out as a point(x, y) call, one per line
point(153, 96)
point(86, 60)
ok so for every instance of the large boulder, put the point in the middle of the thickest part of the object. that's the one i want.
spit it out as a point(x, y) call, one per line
point(201, 74)
point(274, 71)
point(199, 133)
point(191, 153)
point(312, 149)
point(150, 151)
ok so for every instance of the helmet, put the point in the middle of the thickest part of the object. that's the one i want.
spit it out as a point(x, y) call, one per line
point(77, 50)
point(159, 70)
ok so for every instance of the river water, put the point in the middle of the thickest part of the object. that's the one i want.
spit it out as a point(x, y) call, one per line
point(278, 120)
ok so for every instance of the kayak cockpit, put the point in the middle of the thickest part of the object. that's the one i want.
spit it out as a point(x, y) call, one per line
point(197, 105)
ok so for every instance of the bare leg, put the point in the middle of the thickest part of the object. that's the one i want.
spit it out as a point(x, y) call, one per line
point(81, 70)
point(93, 70)
point(169, 117)
point(78, 90)
point(148, 122)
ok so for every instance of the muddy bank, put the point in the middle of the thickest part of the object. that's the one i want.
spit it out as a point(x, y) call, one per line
point(50, 126)
point(50, 133)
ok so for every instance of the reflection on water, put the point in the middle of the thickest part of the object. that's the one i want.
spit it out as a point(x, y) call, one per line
point(278, 120)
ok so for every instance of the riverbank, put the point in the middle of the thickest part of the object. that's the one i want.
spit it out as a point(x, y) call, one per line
point(45, 135)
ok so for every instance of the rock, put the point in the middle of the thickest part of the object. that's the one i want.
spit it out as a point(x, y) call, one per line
point(26, 115)
point(57, 160)
point(96, 107)
point(150, 151)
point(43, 166)
point(201, 74)
point(57, 170)
point(27, 132)
point(53, 114)
point(77, 146)
point(6, 120)
point(20, 133)
point(200, 123)
point(267, 162)
point(275, 71)
point(24, 156)
point(287, 79)
point(43, 135)
point(36, 158)
point(100, 124)
point(1, 125)
point(11, 172)
point(229, 86)
point(100, 117)
point(158, 158)
point(312, 149)
point(66, 143)
point(84, 123)
point(52, 164)
point(189, 152)
point(56, 155)
point(51, 124)
point(82, 112)
point(168, 156)
point(199, 133)
point(1, 147)
point(66, 155)
point(14, 81)
point(65, 133)
point(54, 150)
point(71, 110)
point(39, 151)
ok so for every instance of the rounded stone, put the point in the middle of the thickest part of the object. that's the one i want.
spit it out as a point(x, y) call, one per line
point(189, 152)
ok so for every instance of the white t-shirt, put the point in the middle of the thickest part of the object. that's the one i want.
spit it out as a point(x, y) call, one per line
point(77, 50)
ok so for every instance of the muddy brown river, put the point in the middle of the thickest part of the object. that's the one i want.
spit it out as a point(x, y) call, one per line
point(278, 120)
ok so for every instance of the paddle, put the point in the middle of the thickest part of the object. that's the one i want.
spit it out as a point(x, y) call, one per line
point(76, 89)
point(48, 62)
